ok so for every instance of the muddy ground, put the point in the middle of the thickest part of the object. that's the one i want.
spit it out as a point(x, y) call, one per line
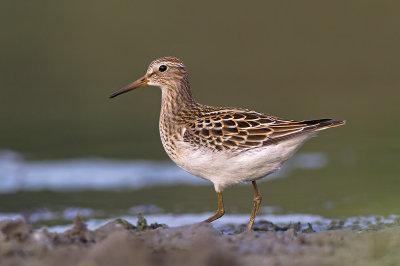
point(120, 243)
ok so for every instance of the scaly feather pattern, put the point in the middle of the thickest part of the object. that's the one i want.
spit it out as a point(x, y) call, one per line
point(240, 129)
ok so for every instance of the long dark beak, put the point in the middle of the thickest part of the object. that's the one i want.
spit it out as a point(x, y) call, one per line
point(136, 84)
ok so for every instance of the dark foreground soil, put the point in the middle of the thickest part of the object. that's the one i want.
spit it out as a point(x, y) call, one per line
point(120, 243)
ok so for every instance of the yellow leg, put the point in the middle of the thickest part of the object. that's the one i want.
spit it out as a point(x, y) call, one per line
point(256, 204)
point(220, 211)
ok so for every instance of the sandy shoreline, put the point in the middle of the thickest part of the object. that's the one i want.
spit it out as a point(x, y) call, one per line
point(120, 243)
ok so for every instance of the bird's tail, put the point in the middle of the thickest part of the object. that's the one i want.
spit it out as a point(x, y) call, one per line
point(324, 123)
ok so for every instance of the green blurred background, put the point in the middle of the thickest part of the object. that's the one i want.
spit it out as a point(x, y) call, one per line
point(293, 59)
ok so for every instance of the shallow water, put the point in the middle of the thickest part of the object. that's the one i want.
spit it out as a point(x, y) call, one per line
point(102, 174)
point(73, 182)
point(154, 215)
point(107, 188)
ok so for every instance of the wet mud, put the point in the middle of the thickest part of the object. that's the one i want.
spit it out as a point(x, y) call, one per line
point(121, 243)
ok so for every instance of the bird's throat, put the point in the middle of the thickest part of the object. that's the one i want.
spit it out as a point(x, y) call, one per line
point(176, 98)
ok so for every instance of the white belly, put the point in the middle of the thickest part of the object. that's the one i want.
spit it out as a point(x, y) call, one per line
point(225, 168)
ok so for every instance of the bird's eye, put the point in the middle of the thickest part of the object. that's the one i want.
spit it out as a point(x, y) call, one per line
point(162, 68)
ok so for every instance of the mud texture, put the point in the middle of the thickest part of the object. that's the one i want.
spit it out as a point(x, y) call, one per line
point(120, 243)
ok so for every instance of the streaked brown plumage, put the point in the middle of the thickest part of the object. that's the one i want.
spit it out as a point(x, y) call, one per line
point(223, 145)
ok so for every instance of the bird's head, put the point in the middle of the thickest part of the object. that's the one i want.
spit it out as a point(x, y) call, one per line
point(164, 72)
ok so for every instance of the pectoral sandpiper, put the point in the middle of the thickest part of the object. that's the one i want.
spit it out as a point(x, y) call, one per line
point(223, 145)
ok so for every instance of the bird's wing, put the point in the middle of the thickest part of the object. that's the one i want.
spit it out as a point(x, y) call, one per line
point(242, 129)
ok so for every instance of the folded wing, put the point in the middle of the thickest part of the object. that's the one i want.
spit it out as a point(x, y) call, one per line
point(242, 130)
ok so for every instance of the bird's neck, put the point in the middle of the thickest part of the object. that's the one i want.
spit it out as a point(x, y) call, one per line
point(177, 98)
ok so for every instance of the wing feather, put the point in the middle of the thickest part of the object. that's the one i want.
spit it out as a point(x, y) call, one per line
point(242, 130)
